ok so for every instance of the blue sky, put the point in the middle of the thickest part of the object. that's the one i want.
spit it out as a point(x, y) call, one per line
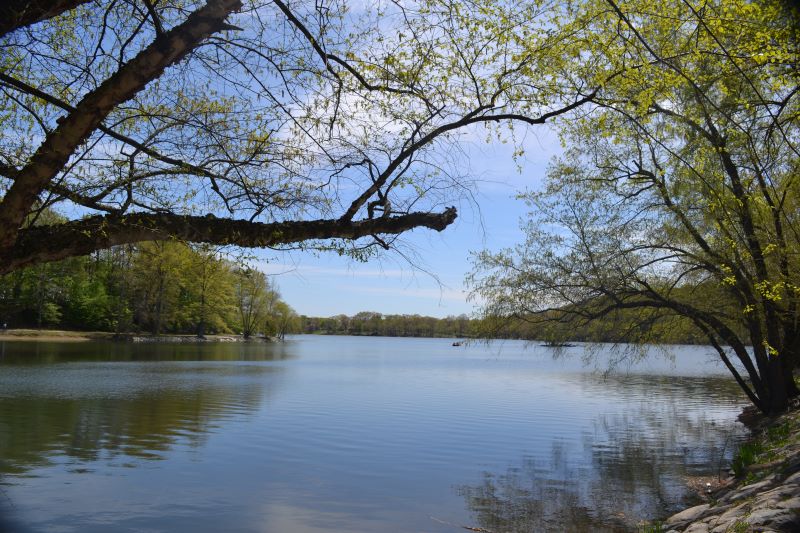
point(326, 284)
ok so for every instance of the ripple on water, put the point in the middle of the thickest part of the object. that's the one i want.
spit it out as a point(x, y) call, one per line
point(355, 435)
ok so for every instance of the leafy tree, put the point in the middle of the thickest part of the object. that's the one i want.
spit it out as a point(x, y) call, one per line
point(256, 297)
point(119, 286)
point(254, 122)
point(40, 293)
point(87, 304)
point(677, 197)
point(159, 286)
point(284, 320)
point(211, 289)
point(160, 272)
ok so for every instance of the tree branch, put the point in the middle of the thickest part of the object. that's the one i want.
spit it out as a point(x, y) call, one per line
point(61, 143)
point(474, 117)
point(80, 237)
point(15, 14)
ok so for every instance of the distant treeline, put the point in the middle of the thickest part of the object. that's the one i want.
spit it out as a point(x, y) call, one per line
point(171, 287)
point(157, 287)
point(616, 327)
point(369, 323)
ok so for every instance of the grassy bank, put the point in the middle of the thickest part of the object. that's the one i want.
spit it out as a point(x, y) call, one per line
point(775, 445)
point(57, 335)
point(53, 335)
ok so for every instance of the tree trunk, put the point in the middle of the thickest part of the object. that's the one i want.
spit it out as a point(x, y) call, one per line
point(787, 364)
point(791, 386)
point(778, 394)
point(201, 324)
point(159, 306)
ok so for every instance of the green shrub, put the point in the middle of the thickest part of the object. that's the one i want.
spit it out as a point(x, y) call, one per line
point(654, 527)
point(779, 432)
point(745, 456)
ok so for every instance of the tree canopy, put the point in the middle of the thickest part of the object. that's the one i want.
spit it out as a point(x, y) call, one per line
point(158, 287)
point(256, 123)
point(677, 196)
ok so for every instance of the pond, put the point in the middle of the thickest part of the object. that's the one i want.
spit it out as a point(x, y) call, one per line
point(324, 433)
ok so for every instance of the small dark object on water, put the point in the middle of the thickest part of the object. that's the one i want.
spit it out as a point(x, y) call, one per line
point(456, 343)
point(558, 345)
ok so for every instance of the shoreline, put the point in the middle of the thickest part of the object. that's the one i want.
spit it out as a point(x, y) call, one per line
point(52, 335)
point(764, 495)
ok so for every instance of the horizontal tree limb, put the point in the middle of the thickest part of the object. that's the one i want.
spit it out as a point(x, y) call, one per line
point(80, 237)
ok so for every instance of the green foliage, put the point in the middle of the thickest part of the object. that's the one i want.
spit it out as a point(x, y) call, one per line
point(664, 331)
point(674, 206)
point(256, 298)
point(282, 321)
point(654, 527)
point(326, 114)
point(50, 314)
point(745, 456)
point(780, 432)
point(87, 304)
point(740, 526)
point(160, 287)
point(376, 324)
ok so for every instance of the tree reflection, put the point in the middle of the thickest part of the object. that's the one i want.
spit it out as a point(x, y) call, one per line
point(29, 353)
point(633, 466)
point(140, 415)
point(527, 499)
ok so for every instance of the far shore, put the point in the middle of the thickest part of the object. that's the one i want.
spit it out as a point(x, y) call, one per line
point(55, 335)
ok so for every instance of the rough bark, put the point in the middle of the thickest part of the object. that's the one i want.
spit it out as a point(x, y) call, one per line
point(50, 243)
point(15, 14)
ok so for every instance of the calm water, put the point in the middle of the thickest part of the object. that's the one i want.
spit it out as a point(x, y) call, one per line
point(351, 434)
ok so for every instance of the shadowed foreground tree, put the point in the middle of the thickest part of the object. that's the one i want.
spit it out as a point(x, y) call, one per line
point(678, 194)
point(252, 122)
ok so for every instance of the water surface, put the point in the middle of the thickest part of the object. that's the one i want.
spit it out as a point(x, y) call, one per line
point(352, 434)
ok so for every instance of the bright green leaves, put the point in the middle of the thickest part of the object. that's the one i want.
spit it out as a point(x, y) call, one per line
point(677, 193)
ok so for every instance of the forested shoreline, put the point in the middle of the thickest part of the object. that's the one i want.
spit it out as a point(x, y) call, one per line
point(175, 288)
point(156, 288)
point(615, 328)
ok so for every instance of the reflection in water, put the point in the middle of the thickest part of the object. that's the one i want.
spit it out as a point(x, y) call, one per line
point(91, 419)
point(634, 465)
point(358, 435)
point(35, 353)
point(81, 412)
point(91, 428)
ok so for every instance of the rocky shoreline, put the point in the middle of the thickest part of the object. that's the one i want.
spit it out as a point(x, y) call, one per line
point(188, 339)
point(765, 495)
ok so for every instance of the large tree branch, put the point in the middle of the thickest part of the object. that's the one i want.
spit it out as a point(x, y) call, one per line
point(15, 14)
point(709, 321)
point(476, 116)
point(131, 78)
point(50, 243)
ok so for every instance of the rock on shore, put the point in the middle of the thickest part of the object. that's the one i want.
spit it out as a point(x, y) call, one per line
point(192, 339)
point(767, 498)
